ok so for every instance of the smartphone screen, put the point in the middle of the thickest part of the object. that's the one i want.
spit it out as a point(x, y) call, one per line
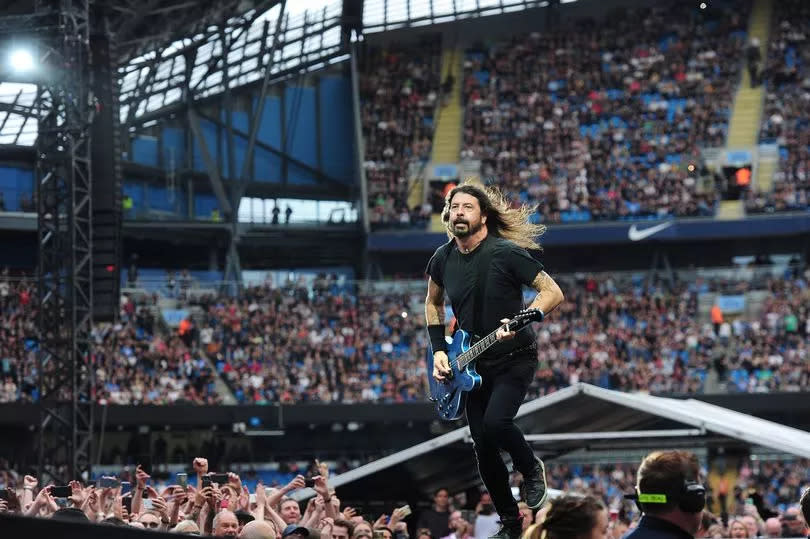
point(126, 486)
point(182, 479)
point(146, 503)
point(61, 492)
point(108, 482)
point(219, 478)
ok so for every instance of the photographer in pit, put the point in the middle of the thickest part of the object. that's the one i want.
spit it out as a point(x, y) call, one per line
point(670, 496)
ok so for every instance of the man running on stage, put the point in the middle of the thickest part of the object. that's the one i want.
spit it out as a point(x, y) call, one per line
point(486, 231)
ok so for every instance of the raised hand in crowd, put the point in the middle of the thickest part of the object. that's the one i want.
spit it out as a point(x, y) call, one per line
point(200, 466)
point(43, 503)
point(381, 522)
point(29, 484)
point(161, 507)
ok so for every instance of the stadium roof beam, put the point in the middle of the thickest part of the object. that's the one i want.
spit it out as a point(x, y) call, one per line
point(210, 166)
point(319, 174)
point(302, 43)
point(255, 121)
point(147, 28)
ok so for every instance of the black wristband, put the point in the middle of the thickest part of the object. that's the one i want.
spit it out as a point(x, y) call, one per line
point(437, 342)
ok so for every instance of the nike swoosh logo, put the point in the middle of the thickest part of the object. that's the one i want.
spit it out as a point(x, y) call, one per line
point(637, 235)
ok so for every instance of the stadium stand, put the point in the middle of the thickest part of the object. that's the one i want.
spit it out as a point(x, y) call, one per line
point(600, 120)
point(296, 343)
point(592, 121)
point(399, 90)
point(786, 110)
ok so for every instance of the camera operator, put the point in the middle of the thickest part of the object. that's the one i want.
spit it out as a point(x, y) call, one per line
point(670, 496)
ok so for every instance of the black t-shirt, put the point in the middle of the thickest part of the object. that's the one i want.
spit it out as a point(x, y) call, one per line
point(438, 522)
point(510, 267)
point(650, 527)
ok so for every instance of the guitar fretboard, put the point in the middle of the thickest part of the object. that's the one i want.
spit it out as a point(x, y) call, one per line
point(477, 349)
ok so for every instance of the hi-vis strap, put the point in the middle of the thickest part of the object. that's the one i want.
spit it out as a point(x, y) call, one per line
point(652, 498)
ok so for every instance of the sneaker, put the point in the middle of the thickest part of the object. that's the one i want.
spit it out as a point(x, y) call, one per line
point(535, 487)
point(511, 528)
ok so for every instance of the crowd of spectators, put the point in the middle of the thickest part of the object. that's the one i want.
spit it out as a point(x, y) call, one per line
point(763, 500)
point(135, 361)
point(328, 343)
point(787, 109)
point(399, 90)
point(291, 344)
point(602, 119)
point(216, 504)
point(296, 344)
point(135, 364)
point(762, 503)
point(646, 338)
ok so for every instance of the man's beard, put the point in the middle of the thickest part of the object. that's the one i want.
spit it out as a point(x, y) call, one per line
point(464, 232)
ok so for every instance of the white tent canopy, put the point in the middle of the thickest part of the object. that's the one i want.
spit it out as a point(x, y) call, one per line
point(568, 420)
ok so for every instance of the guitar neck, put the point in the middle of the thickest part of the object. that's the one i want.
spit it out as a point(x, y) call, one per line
point(477, 349)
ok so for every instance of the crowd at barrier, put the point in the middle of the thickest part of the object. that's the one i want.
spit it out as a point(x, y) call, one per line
point(762, 503)
point(215, 504)
point(324, 343)
point(603, 119)
point(786, 111)
point(399, 92)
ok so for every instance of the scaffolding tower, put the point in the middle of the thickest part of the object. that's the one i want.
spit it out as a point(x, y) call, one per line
point(65, 108)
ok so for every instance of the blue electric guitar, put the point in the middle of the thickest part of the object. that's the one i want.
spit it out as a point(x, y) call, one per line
point(450, 396)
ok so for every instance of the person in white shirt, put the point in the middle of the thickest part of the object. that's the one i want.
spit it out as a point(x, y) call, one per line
point(486, 521)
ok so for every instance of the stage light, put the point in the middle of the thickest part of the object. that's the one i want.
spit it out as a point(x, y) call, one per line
point(21, 60)
point(703, 5)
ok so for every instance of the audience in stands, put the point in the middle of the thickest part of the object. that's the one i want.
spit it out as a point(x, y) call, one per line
point(601, 120)
point(133, 363)
point(330, 343)
point(292, 344)
point(399, 90)
point(787, 109)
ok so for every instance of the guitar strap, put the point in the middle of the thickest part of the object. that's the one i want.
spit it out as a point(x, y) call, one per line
point(480, 289)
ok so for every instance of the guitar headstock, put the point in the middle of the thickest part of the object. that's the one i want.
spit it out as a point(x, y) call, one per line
point(524, 318)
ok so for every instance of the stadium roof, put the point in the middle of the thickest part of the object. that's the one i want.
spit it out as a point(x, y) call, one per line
point(577, 417)
point(166, 46)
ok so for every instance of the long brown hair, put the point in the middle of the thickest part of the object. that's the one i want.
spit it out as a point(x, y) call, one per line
point(503, 220)
point(572, 516)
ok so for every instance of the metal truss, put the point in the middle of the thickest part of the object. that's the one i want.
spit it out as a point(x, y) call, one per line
point(383, 15)
point(64, 268)
point(236, 52)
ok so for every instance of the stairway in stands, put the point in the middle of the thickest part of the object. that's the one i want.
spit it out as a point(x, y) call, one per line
point(449, 121)
point(447, 135)
point(743, 129)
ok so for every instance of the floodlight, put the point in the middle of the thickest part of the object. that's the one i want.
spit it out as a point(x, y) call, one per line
point(21, 60)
